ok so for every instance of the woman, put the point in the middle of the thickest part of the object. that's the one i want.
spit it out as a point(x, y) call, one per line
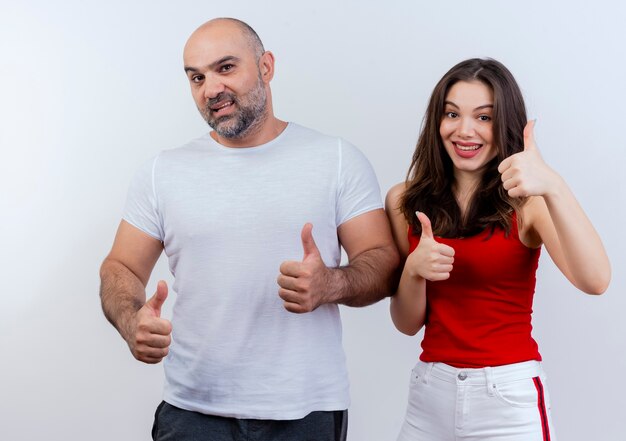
point(470, 220)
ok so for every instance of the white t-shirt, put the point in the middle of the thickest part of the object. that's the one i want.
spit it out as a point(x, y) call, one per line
point(228, 217)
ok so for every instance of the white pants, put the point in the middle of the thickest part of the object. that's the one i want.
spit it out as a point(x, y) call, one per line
point(503, 403)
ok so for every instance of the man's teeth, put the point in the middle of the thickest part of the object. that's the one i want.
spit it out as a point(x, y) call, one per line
point(226, 104)
point(468, 148)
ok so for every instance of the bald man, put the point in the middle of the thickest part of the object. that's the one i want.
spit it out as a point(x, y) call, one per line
point(252, 217)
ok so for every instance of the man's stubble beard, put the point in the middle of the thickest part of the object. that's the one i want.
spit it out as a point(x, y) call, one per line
point(248, 118)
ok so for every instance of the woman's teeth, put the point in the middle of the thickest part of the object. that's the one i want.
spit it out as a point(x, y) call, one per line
point(468, 148)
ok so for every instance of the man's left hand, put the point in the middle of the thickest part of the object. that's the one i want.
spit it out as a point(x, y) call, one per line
point(303, 284)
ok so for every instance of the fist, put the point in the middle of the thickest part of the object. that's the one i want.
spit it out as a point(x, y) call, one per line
point(150, 335)
point(303, 284)
point(431, 260)
point(525, 173)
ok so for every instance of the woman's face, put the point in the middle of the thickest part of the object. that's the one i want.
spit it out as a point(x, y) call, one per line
point(466, 126)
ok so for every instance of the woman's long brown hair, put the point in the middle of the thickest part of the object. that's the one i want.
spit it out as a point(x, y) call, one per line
point(429, 183)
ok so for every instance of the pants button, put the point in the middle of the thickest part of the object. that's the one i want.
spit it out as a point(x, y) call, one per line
point(462, 376)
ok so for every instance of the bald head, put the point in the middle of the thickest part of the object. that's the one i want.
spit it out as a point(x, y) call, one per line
point(231, 28)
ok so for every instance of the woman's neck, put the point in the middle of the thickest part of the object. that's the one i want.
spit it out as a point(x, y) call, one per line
point(465, 185)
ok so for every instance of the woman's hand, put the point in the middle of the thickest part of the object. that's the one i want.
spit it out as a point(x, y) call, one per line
point(525, 173)
point(431, 260)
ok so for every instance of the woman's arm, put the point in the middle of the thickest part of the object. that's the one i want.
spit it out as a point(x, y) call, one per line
point(430, 260)
point(554, 217)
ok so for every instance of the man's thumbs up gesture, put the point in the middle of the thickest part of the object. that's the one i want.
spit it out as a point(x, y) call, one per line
point(149, 336)
point(303, 284)
point(431, 260)
point(525, 173)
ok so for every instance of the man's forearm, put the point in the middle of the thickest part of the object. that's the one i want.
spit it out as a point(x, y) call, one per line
point(122, 294)
point(368, 278)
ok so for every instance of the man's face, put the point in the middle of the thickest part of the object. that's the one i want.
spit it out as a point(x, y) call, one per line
point(234, 116)
point(225, 80)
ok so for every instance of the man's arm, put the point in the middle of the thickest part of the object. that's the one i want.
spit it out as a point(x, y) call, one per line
point(368, 277)
point(124, 275)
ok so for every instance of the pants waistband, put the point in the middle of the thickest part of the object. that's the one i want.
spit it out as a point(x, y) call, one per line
point(480, 376)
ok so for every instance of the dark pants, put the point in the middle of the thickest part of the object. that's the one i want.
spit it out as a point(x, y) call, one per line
point(174, 424)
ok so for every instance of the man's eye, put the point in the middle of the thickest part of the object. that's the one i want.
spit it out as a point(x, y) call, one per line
point(197, 78)
point(226, 67)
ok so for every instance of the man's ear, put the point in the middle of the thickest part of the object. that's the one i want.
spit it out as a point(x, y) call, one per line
point(266, 66)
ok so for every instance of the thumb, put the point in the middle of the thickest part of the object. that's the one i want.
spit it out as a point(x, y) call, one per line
point(308, 243)
point(529, 136)
point(427, 229)
point(157, 300)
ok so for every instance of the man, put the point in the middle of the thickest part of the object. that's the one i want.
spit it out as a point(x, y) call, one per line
point(246, 358)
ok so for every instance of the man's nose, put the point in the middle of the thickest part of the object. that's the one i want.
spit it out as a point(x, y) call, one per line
point(212, 87)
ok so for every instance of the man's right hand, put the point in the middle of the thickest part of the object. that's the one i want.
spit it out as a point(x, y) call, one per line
point(149, 337)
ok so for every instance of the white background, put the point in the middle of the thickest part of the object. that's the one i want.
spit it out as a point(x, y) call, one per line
point(89, 90)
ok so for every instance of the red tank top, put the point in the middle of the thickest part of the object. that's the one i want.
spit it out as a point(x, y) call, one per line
point(481, 315)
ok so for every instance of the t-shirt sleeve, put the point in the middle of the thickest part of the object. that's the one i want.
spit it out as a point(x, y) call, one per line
point(141, 209)
point(358, 190)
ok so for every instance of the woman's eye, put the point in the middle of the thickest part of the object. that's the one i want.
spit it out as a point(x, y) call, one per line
point(484, 118)
point(451, 114)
